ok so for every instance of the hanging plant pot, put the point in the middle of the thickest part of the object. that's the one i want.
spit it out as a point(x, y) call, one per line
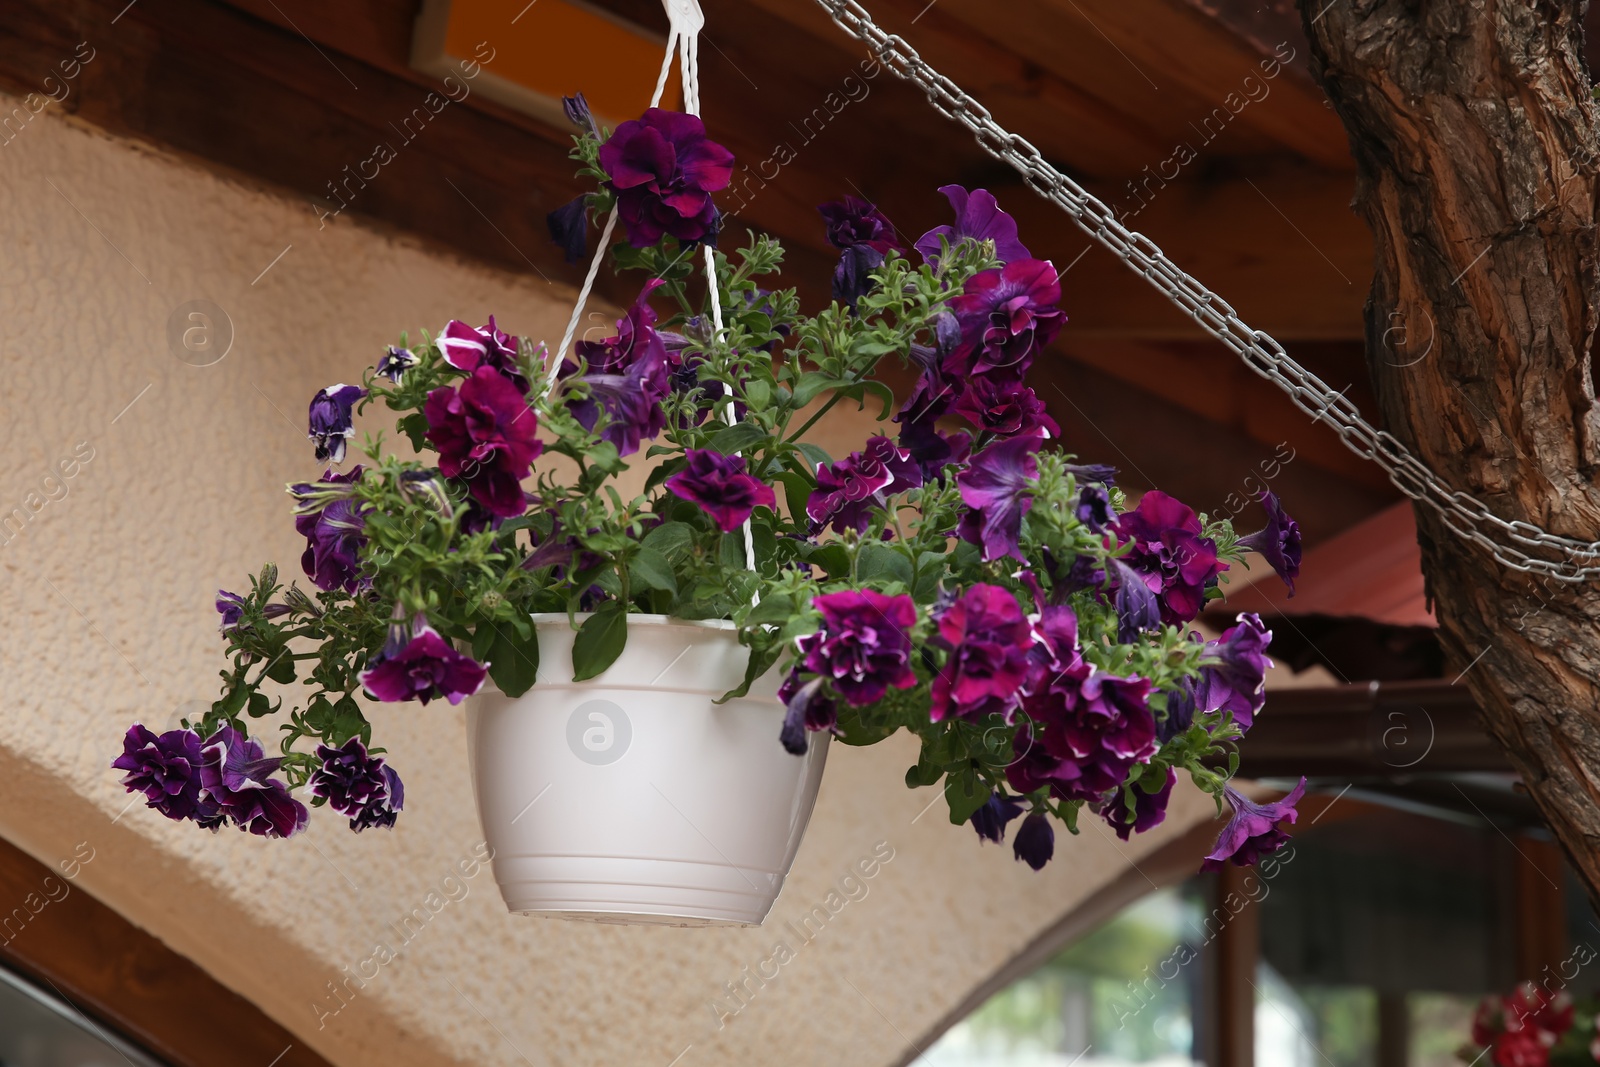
point(634, 798)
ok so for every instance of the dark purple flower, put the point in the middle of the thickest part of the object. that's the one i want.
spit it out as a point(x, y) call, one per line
point(418, 664)
point(852, 278)
point(1180, 710)
point(1031, 767)
point(990, 821)
point(333, 533)
point(358, 784)
point(1094, 508)
point(978, 217)
point(330, 420)
point(933, 450)
point(722, 486)
point(635, 341)
point(237, 775)
point(995, 488)
point(1236, 683)
point(578, 113)
point(485, 433)
point(631, 403)
point(1035, 842)
point(1253, 831)
point(569, 228)
point(1279, 542)
point(808, 709)
point(1006, 316)
point(848, 490)
point(1056, 660)
point(395, 362)
point(1098, 728)
point(1149, 809)
point(426, 487)
point(664, 170)
point(469, 347)
point(864, 646)
point(231, 607)
point(1092, 472)
point(1138, 608)
point(852, 221)
point(1170, 552)
point(1007, 408)
point(988, 639)
point(166, 770)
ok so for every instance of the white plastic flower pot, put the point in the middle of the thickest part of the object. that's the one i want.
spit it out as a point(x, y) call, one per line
point(632, 797)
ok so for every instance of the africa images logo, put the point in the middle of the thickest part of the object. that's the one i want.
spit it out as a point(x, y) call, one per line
point(598, 732)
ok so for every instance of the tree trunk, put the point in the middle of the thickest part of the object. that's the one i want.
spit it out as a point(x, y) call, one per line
point(1473, 130)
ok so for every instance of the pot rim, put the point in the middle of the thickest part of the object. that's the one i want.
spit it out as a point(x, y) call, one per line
point(551, 618)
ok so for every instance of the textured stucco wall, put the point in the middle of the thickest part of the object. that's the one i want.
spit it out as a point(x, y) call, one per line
point(107, 598)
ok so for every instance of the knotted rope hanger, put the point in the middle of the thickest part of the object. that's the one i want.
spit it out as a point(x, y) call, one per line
point(687, 21)
point(1465, 515)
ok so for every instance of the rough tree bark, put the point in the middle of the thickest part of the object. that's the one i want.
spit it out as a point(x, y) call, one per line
point(1474, 133)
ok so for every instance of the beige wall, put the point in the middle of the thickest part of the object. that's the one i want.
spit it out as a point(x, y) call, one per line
point(107, 605)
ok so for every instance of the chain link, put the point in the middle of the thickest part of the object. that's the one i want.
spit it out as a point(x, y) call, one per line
point(1463, 514)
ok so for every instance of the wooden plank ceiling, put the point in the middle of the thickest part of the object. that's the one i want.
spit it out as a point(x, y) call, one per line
point(1163, 107)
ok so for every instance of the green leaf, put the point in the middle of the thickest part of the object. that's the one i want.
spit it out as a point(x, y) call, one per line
point(737, 438)
point(669, 538)
point(281, 669)
point(760, 663)
point(922, 774)
point(513, 662)
point(650, 569)
point(732, 554)
point(776, 608)
point(345, 721)
point(812, 384)
point(882, 562)
point(600, 641)
point(796, 490)
point(414, 426)
point(814, 453)
point(259, 706)
point(966, 793)
point(757, 393)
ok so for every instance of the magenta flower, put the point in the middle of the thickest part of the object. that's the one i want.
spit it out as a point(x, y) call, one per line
point(334, 533)
point(1236, 683)
point(1006, 316)
point(630, 401)
point(470, 347)
point(236, 775)
point(664, 170)
point(933, 450)
point(1098, 728)
point(1253, 831)
point(329, 422)
point(848, 490)
point(485, 433)
point(422, 668)
point(1279, 542)
point(358, 784)
point(808, 708)
point(1171, 554)
point(979, 218)
point(988, 639)
point(721, 486)
point(166, 769)
point(1035, 842)
point(995, 488)
point(1149, 809)
point(1006, 408)
point(864, 646)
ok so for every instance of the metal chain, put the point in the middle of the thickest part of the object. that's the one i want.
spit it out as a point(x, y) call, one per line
point(1463, 514)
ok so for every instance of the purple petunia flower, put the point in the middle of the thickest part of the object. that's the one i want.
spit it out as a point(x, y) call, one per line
point(852, 278)
point(395, 362)
point(1006, 408)
point(358, 784)
point(995, 488)
point(635, 341)
point(577, 108)
point(231, 607)
point(628, 376)
point(569, 227)
point(1092, 472)
point(664, 170)
point(333, 533)
point(933, 450)
point(722, 486)
point(1237, 682)
point(1171, 554)
point(1035, 842)
point(1006, 316)
point(979, 218)
point(1138, 609)
point(1180, 710)
point(1149, 809)
point(416, 663)
point(1098, 728)
point(1279, 542)
point(848, 490)
point(469, 347)
point(237, 775)
point(166, 769)
point(1094, 508)
point(485, 433)
point(853, 221)
point(990, 821)
point(864, 646)
point(329, 420)
point(808, 709)
point(1253, 831)
point(989, 640)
